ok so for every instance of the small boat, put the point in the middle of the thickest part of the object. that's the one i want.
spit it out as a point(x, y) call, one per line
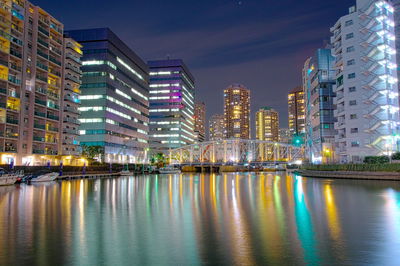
point(126, 173)
point(7, 179)
point(169, 170)
point(46, 177)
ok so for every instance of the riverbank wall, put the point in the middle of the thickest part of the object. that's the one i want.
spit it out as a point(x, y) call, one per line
point(388, 176)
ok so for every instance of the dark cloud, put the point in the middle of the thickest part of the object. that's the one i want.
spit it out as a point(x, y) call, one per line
point(261, 44)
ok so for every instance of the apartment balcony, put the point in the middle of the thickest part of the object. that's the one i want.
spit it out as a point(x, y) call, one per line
point(71, 99)
point(53, 106)
point(39, 126)
point(11, 120)
point(71, 120)
point(4, 62)
point(54, 129)
point(41, 90)
point(15, 67)
point(42, 54)
point(15, 53)
point(3, 90)
point(43, 31)
point(10, 149)
point(11, 135)
point(44, 43)
point(54, 60)
point(42, 66)
point(74, 79)
point(57, 73)
point(14, 80)
point(74, 68)
point(70, 56)
point(53, 117)
point(51, 152)
point(37, 151)
point(41, 102)
point(41, 78)
point(71, 131)
point(71, 110)
point(40, 114)
point(39, 139)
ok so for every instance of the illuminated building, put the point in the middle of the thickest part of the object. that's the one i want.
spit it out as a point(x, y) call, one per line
point(284, 135)
point(171, 105)
point(32, 85)
point(267, 124)
point(367, 102)
point(396, 6)
point(70, 95)
point(237, 112)
point(296, 111)
point(216, 127)
point(200, 121)
point(115, 97)
point(318, 85)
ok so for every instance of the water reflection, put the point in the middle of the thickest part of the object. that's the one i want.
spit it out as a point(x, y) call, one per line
point(229, 219)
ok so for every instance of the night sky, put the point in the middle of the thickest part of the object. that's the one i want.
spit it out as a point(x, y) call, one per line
point(260, 44)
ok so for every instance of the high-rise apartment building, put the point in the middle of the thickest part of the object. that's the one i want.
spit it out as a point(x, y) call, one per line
point(296, 111)
point(217, 127)
point(267, 124)
point(237, 112)
point(284, 135)
point(70, 100)
point(32, 86)
point(319, 83)
point(366, 81)
point(172, 99)
point(200, 121)
point(114, 101)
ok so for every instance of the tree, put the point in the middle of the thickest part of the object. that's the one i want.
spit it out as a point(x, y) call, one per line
point(158, 159)
point(91, 152)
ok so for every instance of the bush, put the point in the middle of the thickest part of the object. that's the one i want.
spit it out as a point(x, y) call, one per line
point(396, 156)
point(393, 167)
point(376, 159)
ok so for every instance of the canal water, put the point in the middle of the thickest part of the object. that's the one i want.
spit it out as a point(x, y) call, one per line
point(193, 219)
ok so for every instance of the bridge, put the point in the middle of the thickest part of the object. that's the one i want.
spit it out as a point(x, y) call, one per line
point(236, 151)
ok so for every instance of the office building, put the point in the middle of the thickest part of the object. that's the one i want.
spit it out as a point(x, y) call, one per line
point(296, 111)
point(114, 100)
point(200, 121)
point(172, 94)
point(216, 127)
point(32, 85)
point(396, 14)
point(267, 124)
point(319, 83)
point(237, 112)
point(367, 101)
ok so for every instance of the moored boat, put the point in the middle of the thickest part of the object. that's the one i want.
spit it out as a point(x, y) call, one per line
point(169, 170)
point(46, 177)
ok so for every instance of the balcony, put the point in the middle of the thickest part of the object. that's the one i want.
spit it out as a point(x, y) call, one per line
point(44, 43)
point(54, 129)
point(41, 102)
point(53, 117)
point(51, 152)
point(43, 31)
point(10, 149)
point(71, 99)
point(40, 114)
point(35, 138)
point(70, 56)
point(52, 105)
point(11, 120)
point(42, 66)
point(55, 61)
point(71, 110)
point(4, 62)
point(74, 79)
point(39, 126)
point(14, 80)
point(15, 67)
point(15, 53)
point(71, 120)
point(41, 90)
point(70, 131)
point(36, 151)
point(3, 90)
point(74, 68)
point(11, 135)
point(41, 78)
point(42, 54)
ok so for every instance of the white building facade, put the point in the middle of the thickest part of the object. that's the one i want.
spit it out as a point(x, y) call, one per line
point(367, 104)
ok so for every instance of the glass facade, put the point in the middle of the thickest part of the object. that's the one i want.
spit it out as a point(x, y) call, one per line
point(115, 97)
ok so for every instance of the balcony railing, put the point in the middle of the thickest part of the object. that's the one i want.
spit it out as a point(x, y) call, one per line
point(11, 120)
point(71, 120)
point(39, 126)
point(15, 53)
point(53, 117)
point(36, 151)
point(35, 138)
point(41, 102)
point(42, 54)
point(54, 129)
point(44, 31)
point(40, 114)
